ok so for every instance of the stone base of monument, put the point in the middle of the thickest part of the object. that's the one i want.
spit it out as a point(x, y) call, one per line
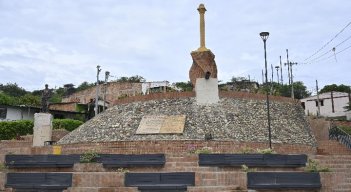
point(206, 91)
point(42, 130)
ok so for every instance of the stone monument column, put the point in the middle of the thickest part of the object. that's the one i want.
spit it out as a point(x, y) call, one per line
point(203, 72)
point(202, 11)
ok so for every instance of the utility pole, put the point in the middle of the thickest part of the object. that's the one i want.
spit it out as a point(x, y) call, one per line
point(281, 70)
point(287, 63)
point(332, 100)
point(97, 90)
point(272, 72)
point(262, 77)
point(277, 67)
point(319, 108)
point(107, 74)
point(291, 80)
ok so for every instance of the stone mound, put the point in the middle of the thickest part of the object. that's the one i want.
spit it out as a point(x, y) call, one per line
point(230, 119)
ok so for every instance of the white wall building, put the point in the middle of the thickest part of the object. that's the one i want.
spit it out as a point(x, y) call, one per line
point(12, 113)
point(331, 104)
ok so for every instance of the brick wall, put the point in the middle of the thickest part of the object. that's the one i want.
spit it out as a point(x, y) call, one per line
point(113, 91)
point(63, 106)
point(170, 147)
point(227, 94)
point(320, 129)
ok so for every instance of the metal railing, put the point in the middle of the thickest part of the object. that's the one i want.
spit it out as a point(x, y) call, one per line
point(340, 135)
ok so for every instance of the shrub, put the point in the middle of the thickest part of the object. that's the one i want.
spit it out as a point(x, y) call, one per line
point(246, 150)
point(204, 150)
point(10, 129)
point(313, 166)
point(266, 151)
point(68, 124)
point(246, 169)
point(89, 157)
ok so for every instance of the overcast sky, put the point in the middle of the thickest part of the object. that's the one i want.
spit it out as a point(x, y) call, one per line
point(60, 42)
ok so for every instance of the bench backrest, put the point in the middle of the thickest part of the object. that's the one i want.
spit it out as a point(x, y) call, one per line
point(38, 180)
point(140, 179)
point(286, 180)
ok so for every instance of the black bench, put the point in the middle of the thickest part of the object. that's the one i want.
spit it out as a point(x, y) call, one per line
point(120, 160)
point(30, 161)
point(173, 182)
point(255, 160)
point(283, 180)
point(39, 181)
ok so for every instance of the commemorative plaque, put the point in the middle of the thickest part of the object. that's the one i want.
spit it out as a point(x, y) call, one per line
point(161, 124)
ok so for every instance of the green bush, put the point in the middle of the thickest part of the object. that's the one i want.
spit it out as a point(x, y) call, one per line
point(68, 124)
point(346, 129)
point(10, 129)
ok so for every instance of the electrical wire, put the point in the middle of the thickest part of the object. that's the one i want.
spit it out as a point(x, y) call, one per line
point(319, 50)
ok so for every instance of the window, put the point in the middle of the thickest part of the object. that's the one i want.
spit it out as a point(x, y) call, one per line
point(322, 102)
point(3, 112)
point(303, 105)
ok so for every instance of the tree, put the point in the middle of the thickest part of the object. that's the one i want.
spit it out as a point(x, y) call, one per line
point(300, 90)
point(29, 99)
point(6, 99)
point(12, 89)
point(83, 86)
point(132, 79)
point(334, 87)
point(185, 86)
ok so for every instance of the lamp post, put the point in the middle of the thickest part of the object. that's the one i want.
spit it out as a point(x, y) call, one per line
point(97, 90)
point(107, 74)
point(264, 36)
point(277, 68)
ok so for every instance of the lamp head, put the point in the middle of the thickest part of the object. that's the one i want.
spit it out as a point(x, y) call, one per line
point(264, 35)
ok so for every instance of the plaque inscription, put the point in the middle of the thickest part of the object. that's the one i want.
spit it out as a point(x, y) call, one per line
point(161, 124)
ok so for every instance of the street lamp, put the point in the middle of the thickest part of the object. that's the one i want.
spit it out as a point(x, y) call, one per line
point(107, 74)
point(264, 36)
point(97, 90)
point(277, 68)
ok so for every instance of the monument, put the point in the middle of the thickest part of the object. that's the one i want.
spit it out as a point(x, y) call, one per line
point(203, 72)
point(42, 130)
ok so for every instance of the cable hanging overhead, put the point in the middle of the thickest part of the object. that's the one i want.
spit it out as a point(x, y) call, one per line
point(319, 50)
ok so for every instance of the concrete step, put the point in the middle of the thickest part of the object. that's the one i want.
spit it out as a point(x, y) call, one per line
point(230, 188)
point(102, 189)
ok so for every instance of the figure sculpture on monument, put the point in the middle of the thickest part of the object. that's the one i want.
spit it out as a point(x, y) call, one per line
point(44, 99)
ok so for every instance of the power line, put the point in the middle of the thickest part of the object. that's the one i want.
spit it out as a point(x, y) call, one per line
point(324, 59)
point(328, 42)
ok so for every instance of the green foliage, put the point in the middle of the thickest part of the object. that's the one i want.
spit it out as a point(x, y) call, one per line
point(6, 99)
point(89, 157)
point(10, 129)
point(300, 90)
point(12, 89)
point(204, 150)
point(246, 169)
point(246, 150)
point(185, 86)
point(334, 87)
point(68, 124)
point(85, 85)
point(347, 129)
point(3, 167)
point(266, 151)
point(132, 79)
point(313, 166)
point(29, 100)
point(122, 170)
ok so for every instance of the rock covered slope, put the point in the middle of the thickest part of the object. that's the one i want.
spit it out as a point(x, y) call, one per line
point(230, 119)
